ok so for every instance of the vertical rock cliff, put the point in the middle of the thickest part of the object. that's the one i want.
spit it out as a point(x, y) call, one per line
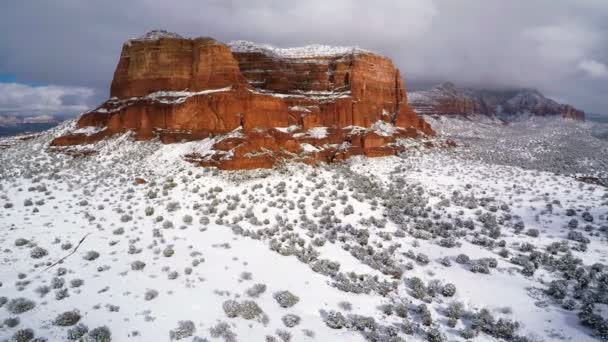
point(259, 103)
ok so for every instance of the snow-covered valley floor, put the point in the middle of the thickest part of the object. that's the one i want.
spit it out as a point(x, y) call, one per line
point(134, 244)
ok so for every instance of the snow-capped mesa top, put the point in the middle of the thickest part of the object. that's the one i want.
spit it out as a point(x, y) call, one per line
point(309, 51)
point(158, 34)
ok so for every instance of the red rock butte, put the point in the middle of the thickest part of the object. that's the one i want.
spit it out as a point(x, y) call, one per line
point(258, 103)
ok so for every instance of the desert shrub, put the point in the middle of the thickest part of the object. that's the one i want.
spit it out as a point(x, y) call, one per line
point(256, 290)
point(77, 332)
point(569, 304)
point(448, 290)
point(291, 320)
point(326, 267)
point(99, 334)
point(445, 261)
point(463, 259)
point(62, 294)
point(20, 305)
point(286, 299)
point(38, 252)
point(222, 330)
point(468, 333)
point(57, 283)
point(91, 255)
point(67, 318)
point(125, 218)
point(12, 322)
point(587, 217)
point(533, 232)
point(434, 335)
point(455, 310)
point(184, 329)
point(334, 319)
point(232, 308)
point(250, 309)
point(149, 211)
point(187, 219)
point(76, 282)
point(285, 336)
point(23, 335)
point(138, 265)
point(150, 294)
point(578, 237)
point(422, 258)
point(21, 242)
point(172, 206)
point(345, 306)
point(168, 251)
point(558, 289)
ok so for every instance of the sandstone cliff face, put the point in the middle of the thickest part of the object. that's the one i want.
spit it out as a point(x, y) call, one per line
point(507, 105)
point(259, 103)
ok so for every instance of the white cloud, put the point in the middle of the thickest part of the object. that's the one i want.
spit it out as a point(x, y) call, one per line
point(594, 69)
point(22, 99)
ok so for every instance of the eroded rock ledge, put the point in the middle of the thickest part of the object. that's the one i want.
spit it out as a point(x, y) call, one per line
point(259, 104)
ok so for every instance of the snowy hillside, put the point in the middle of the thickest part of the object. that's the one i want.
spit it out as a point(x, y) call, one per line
point(131, 243)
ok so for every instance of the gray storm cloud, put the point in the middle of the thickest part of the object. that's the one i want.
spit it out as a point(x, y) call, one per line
point(557, 46)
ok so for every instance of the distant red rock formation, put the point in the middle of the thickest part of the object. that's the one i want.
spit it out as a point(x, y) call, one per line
point(260, 103)
point(447, 99)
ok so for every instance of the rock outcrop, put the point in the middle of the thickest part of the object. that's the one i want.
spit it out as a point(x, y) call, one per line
point(506, 105)
point(260, 104)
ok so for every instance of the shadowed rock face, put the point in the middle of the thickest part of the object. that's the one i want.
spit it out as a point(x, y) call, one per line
point(273, 100)
point(507, 105)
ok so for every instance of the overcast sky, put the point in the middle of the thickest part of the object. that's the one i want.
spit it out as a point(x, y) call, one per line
point(59, 56)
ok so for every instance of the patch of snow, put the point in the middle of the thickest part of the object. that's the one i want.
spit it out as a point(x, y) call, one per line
point(299, 109)
point(89, 130)
point(288, 129)
point(157, 34)
point(310, 51)
point(383, 128)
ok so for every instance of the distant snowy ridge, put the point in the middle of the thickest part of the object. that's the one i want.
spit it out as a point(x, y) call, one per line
point(309, 51)
point(507, 105)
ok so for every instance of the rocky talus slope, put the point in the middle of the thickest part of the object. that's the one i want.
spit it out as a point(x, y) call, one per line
point(506, 105)
point(257, 103)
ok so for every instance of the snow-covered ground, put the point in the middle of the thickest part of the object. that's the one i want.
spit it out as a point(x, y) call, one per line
point(435, 245)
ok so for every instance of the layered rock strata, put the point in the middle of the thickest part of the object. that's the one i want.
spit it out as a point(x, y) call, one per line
point(259, 104)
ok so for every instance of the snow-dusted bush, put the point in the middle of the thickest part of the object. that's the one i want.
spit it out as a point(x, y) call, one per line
point(222, 330)
point(91, 255)
point(23, 335)
point(291, 320)
point(334, 319)
point(448, 290)
point(168, 251)
point(232, 308)
point(286, 299)
point(67, 318)
point(138, 265)
point(20, 305)
point(77, 332)
point(256, 290)
point(99, 334)
point(38, 252)
point(150, 294)
point(184, 329)
point(463, 259)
